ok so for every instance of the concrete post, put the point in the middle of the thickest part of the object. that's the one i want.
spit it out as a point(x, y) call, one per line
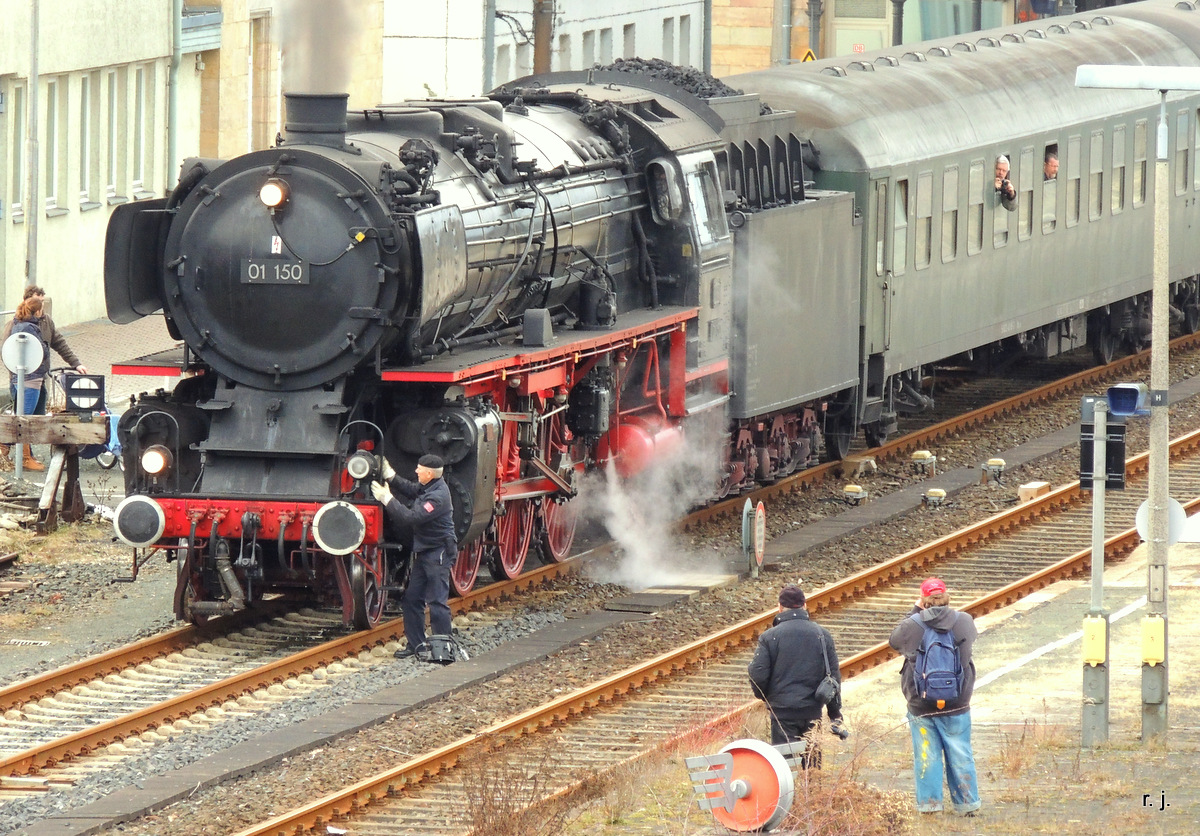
point(1155, 676)
point(1094, 721)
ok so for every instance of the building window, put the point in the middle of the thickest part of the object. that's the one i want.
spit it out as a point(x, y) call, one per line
point(503, 70)
point(1050, 189)
point(18, 150)
point(606, 46)
point(564, 52)
point(629, 47)
point(52, 144)
point(668, 39)
point(685, 40)
point(85, 139)
point(950, 213)
point(975, 192)
point(139, 128)
point(1139, 163)
point(1181, 152)
point(524, 60)
point(589, 48)
point(1096, 181)
point(924, 234)
point(113, 132)
point(1118, 170)
point(900, 228)
point(1074, 183)
point(264, 122)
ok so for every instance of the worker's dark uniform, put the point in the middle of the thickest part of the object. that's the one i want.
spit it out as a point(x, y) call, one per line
point(430, 516)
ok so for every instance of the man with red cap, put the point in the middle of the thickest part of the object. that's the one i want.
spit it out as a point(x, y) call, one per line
point(791, 660)
point(941, 729)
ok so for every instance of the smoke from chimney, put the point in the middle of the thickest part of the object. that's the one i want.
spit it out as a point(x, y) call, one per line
point(320, 40)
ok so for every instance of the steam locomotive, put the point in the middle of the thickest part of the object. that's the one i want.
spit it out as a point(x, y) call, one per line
point(583, 269)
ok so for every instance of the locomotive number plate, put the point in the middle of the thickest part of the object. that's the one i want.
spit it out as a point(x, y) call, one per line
point(274, 271)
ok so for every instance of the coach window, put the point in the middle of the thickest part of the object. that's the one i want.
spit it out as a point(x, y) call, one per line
point(900, 228)
point(1139, 163)
point(950, 213)
point(880, 225)
point(1050, 164)
point(1118, 169)
point(1181, 152)
point(1074, 191)
point(1096, 180)
point(1196, 148)
point(999, 213)
point(1025, 196)
point(975, 208)
point(924, 240)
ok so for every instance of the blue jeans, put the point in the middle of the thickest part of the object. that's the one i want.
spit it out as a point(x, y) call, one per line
point(947, 737)
point(30, 401)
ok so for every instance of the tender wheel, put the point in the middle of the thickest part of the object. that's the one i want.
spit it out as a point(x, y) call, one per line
point(1104, 342)
point(514, 531)
point(365, 586)
point(466, 567)
point(559, 522)
point(838, 434)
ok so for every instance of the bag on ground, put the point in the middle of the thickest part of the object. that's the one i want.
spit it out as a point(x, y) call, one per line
point(937, 669)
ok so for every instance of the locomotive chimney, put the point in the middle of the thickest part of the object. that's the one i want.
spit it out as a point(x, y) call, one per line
point(316, 118)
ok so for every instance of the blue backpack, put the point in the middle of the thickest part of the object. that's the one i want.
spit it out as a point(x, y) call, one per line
point(937, 669)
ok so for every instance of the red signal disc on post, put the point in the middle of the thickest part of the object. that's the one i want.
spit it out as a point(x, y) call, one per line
point(770, 787)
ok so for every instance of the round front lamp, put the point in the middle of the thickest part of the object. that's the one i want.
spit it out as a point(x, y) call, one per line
point(274, 193)
point(156, 460)
point(360, 466)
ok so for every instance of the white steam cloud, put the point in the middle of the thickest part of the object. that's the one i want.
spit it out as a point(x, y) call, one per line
point(641, 515)
point(320, 41)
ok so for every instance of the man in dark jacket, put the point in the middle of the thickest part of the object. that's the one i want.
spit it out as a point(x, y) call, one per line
point(940, 733)
point(786, 670)
point(430, 516)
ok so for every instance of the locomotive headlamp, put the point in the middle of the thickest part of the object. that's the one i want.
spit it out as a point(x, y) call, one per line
point(156, 460)
point(274, 193)
point(361, 465)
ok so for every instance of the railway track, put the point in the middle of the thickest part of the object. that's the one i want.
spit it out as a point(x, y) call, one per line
point(187, 678)
point(157, 680)
point(1088, 381)
point(658, 703)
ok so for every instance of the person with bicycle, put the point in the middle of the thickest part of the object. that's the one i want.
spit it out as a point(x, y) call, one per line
point(54, 339)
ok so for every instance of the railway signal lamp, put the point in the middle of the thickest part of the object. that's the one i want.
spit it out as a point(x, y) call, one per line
point(1126, 399)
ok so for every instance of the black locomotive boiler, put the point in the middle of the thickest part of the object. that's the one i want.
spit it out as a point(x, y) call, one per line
point(583, 269)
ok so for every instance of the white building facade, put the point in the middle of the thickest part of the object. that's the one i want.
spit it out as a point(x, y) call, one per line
point(101, 103)
point(458, 48)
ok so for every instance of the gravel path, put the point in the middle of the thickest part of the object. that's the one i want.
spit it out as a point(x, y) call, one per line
point(239, 803)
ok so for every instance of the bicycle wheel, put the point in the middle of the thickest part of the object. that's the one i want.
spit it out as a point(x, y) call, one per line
point(106, 459)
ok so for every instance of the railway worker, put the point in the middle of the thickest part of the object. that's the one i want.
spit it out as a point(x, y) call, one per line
point(1050, 166)
point(939, 734)
point(787, 668)
point(53, 338)
point(1006, 193)
point(430, 515)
